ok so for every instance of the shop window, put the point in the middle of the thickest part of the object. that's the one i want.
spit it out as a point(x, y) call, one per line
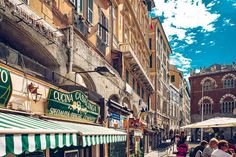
point(71, 153)
point(33, 154)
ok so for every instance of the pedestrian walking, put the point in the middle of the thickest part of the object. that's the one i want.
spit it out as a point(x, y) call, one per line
point(222, 150)
point(213, 143)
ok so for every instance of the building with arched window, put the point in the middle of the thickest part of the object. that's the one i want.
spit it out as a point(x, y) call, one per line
point(213, 93)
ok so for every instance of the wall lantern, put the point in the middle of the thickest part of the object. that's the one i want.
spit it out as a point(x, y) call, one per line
point(36, 97)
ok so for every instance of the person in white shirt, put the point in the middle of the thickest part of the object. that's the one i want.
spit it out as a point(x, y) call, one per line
point(222, 150)
point(209, 149)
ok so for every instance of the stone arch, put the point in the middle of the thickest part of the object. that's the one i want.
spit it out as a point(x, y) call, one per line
point(86, 79)
point(210, 79)
point(228, 75)
point(115, 97)
point(227, 95)
point(205, 98)
point(126, 102)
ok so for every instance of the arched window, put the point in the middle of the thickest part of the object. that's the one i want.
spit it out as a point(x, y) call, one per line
point(207, 85)
point(228, 106)
point(229, 83)
point(207, 108)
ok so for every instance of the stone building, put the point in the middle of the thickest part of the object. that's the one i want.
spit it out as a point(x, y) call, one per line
point(160, 71)
point(97, 47)
point(213, 88)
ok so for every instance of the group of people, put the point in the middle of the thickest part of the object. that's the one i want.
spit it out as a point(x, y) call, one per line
point(214, 148)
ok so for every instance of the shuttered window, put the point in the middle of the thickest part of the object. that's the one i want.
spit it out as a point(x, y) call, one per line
point(103, 27)
point(90, 11)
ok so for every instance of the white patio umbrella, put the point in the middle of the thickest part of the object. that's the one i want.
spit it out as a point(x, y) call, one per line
point(213, 122)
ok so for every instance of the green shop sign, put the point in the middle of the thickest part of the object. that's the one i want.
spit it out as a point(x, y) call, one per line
point(5, 87)
point(74, 105)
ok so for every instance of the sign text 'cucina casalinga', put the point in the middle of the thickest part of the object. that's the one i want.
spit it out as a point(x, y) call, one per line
point(74, 105)
point(5, 87)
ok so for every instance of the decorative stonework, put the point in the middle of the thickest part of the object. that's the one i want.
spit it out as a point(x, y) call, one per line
point(229, 75)
point(205, 98)
point(209, 78)
point(227, 95)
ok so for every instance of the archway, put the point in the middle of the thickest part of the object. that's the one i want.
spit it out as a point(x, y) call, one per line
point(126, 103)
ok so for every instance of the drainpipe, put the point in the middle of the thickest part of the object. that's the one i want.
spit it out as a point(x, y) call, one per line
point(70, 39)
point(111, 25)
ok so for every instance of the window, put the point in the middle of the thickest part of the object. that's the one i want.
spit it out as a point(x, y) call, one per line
point(207, 86)
point(72, 153)
point(227, 107)
point(172, 78)
point(142, 93)
point(207, 108)
point(133, 83)
point(90, 11)
point(127, 76)
point(27, 2)
point(79, 6)
point(150, 61)
point(150, 43)
point(138, 89)
point(103, 27)
point(115, 21)
point(229, 83)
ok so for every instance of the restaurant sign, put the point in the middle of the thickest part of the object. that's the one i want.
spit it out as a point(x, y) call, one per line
point(74, 105)
point(5, 87)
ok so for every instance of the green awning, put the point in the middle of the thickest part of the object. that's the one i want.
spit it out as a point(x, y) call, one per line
point(92, 135)
point(23, 133)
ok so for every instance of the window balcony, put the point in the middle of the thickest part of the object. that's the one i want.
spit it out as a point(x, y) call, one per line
point(81, 25)
point(136, 66)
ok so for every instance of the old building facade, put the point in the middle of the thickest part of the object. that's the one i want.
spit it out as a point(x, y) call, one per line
point(62, 47)
point(160, 63)
point(213, 89)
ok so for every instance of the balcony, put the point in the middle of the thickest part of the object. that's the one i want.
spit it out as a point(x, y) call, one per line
point(80, 25)
point(136, 66)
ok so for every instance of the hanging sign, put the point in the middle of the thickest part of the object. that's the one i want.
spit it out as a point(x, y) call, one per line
point(5, 87)
point(117, 120)
point(74, 105)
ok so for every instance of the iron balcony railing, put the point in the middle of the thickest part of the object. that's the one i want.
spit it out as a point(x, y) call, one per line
point(31, 67)
point(81, 25)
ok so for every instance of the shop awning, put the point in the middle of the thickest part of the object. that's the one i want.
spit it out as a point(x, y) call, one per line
point(92, 135)
point(20, 133)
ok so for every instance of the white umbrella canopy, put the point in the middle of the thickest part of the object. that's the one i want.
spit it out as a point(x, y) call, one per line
point(213, 122)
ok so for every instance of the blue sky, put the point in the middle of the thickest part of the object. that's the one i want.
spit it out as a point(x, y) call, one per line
point(200, 32)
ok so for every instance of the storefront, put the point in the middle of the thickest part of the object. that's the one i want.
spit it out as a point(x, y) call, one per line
point(68, 125)
point(136, 138)
point(118, 119)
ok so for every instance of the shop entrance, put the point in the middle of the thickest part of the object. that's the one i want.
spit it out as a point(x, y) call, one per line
point(117, 149)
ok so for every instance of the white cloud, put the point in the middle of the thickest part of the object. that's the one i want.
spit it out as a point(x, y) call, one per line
point(234, 4)
point(203, 44)
point(227, 22)
point(182, 15)
point(212, 43)
point(181, 62)
point(198, 51)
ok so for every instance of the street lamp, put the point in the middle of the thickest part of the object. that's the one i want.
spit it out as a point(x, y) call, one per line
point(202, 112)
point(101, 70)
